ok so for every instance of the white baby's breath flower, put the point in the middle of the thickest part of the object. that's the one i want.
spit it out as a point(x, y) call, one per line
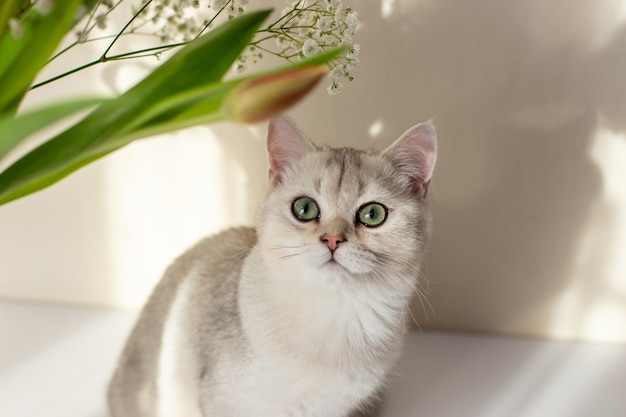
point(351, 64)
point(352, 21)
point(324, 23)
point(334, 4)
point(310, 48)
point(101, 21)
point(338, 15)
point(44, 7)
point(335, 88)
point(181, 20)
point(353, 53)
point(16, 28)
point(337, 71)
point(352, 58)
point(329, 40)
point(304, 29)
point(310, 26)
point(217, 4)
point(234, 10)
point(282, 42)
point(81, 36)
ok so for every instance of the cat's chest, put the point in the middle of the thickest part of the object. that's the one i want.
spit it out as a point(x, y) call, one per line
point(311, 350)
point(283, 387)
point(314, 319)
point(313, 372)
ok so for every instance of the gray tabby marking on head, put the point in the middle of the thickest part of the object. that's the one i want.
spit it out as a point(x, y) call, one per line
point(303, 316)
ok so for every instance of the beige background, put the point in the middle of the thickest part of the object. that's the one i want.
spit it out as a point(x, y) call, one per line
point(529, 195)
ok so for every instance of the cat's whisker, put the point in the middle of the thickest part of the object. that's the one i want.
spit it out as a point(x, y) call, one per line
point(237, 258)
point(419, 327)
point(416, 285)
point(379, 277)
point(290, 255)
point(279, 247)
point(423, 299)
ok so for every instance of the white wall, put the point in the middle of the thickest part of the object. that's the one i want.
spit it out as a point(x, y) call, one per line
point(529, 195)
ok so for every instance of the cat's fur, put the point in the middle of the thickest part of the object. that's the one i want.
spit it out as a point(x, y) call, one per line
point(295, 319)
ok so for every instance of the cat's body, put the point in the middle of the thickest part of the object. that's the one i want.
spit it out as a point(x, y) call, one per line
point(303, 317)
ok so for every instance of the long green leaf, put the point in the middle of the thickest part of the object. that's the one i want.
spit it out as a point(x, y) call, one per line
point(270, 92)
point(207, 101)
point(194, 113)
point(202, 62)
point(21, 59)
point(15, 129)
point(199, 105)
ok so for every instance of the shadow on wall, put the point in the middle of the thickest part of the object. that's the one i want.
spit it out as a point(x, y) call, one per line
point(51, 243)
point(246, 176)
point(518, 91)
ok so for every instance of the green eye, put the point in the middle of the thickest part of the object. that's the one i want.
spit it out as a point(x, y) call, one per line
point(372, 214)
point(305, 209)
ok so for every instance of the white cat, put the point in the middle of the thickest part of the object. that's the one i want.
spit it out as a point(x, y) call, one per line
point(303, 317)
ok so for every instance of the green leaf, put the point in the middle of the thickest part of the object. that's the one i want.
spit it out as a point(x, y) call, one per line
point(183, 92)
point(202, 62)
point(286, 79)
point(17, 128)
point(21, 59)
point(205, 104)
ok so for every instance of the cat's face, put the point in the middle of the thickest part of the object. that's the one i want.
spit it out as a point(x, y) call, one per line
point(342, 215)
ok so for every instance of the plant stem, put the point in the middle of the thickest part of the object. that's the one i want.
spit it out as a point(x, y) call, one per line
point(155, 50)
point(207, 24)
point(279, 27)
point(132, 19)
point(82, 67)
point(127, 55)
point(134, 54)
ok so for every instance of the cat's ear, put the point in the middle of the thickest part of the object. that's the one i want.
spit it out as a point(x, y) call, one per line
point(285, 145)
point(414, 155)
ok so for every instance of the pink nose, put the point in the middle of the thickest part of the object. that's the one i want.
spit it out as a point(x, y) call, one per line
point(332, 241)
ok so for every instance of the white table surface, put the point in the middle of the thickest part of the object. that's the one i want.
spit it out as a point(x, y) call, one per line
point(55, 362)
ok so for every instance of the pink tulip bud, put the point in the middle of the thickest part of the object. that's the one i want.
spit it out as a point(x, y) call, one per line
point(262, 98)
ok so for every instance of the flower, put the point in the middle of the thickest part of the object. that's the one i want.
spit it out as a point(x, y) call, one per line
point(334, 4)
point(352, 22)
point(353, 54)
point(307, 27)
point(218, 4)
point(182, 20)
point(101, 21)
point(310, 48)
point(304, 29)
point(262, 98)
point(335, 88)
point(324, 23)
point(16, 28)
point(43, 6)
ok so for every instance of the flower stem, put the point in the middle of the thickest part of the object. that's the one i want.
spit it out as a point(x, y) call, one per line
point(127, 55)
point(130, 21)
point(65, 74)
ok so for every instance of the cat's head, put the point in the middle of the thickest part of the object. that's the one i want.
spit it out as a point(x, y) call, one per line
point(344, 215)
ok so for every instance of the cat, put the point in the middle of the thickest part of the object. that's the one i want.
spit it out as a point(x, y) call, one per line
point(302, 317)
